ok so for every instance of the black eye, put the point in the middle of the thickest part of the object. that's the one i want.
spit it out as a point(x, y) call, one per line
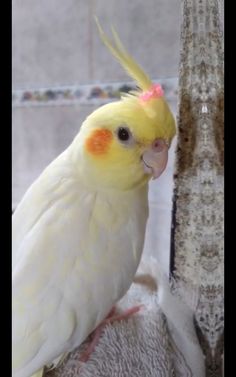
point(123, 134)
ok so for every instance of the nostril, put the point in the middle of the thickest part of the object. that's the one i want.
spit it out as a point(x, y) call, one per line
point(158, 145)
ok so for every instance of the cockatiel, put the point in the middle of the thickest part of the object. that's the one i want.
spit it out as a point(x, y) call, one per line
point(78, 232)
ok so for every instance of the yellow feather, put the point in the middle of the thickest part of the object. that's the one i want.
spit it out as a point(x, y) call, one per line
point(38, 374)
point(127, 62)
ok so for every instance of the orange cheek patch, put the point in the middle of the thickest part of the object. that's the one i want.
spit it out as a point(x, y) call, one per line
point(99, 141)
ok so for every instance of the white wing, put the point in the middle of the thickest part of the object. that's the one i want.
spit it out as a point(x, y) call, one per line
point(74, 254)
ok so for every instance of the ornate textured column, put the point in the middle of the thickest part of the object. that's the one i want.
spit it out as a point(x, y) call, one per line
point(197, 223)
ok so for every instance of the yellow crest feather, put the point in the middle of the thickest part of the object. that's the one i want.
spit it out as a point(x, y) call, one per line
point(127, 62)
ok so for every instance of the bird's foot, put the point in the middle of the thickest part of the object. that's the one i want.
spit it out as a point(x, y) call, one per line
point(112, 317)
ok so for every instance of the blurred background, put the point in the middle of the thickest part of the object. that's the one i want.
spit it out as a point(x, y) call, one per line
point(62, 72)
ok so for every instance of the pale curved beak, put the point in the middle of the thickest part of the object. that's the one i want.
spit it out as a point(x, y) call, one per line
point(155, 158)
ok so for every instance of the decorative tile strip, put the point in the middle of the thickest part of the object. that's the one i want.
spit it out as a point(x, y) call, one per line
point(94, 94)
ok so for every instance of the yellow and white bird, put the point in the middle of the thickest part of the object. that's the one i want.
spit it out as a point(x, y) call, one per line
point(79, 230)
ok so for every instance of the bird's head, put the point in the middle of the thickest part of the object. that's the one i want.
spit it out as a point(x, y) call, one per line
point(125, 143)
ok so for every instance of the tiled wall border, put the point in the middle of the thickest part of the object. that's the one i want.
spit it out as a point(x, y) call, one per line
point(91, 94)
